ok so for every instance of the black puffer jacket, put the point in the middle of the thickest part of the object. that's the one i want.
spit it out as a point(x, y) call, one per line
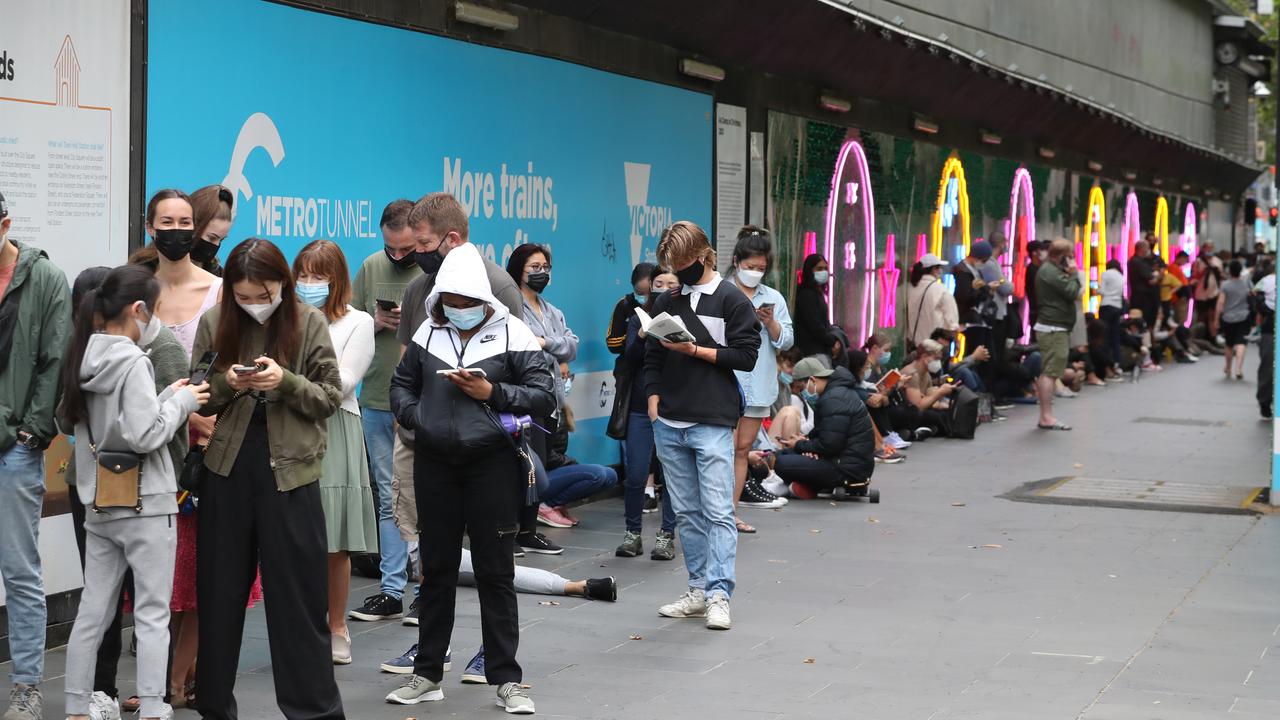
point(842, 429)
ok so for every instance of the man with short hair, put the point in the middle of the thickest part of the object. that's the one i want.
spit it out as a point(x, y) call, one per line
point(695, 404)
point(35, 319)
point(1144, 280)
point(1058, 290)
point(378, 288)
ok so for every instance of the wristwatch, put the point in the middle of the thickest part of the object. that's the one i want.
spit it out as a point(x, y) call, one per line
point(27, 440)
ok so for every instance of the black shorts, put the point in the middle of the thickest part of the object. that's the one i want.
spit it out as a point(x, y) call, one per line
point(1236, 332)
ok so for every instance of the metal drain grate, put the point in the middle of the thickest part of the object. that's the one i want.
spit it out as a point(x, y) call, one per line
point(1138, 494)
point(1188, 422)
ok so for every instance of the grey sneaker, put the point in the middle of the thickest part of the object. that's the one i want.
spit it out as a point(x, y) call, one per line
point(631, 545)
point(416, 689)
point(513, 699)
point(104, 707)
point(692, 604)
point(25, 703)
point(664, 547)
point(718, 613)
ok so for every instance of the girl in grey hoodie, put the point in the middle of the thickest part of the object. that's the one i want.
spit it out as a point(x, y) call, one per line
point(109, 396)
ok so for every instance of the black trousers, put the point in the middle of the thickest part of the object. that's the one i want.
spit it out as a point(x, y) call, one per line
point(908, 417)
point(816, 473)
point(1266, 353)
point(245, 521)
point(1112, 316)
point(880, 416)
point(479, 496)
point(108, 662)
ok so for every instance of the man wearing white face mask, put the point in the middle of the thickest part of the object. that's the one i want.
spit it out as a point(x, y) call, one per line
point(919, 419)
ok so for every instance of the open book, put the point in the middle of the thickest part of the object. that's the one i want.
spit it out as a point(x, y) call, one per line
point(665, 326)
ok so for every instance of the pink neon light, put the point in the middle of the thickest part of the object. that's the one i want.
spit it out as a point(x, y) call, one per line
point(851, 147)
point(1129, 230)
point(1188, 241)
point(889, 274)
point(850, 254)
point(922, 246)
point(1024, 231)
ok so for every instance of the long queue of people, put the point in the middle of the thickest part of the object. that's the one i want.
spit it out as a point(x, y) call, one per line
point(253, 425)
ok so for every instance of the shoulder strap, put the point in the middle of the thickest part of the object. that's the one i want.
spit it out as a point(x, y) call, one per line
point(218, 422)
point(920, 308)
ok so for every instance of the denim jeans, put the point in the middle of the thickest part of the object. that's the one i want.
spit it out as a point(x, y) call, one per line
point(698, 464)
point(21, 497)
point(636, 452)
point(379, 435)
point(968, 378)
point(569, 483)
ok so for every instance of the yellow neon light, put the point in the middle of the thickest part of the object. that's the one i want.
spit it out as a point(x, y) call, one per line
point(1095, 254)
point(952, 168)
point(1162, 227)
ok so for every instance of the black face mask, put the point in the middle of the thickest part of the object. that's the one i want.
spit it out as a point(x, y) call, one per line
point(203, 251)
point(430, 262)
point(692, 274)
point(537, 282)
point(407, 261)
point(175, 243)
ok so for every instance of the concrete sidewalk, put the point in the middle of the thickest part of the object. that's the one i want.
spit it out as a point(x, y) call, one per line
point(944, 601)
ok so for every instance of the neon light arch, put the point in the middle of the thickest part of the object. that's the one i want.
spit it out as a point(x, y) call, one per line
point(1020, 231)
point(953, 200)
point(851, 217)
point(1189, 245)
point(1162, 228)
point(1130, 229)
point(1095, 243)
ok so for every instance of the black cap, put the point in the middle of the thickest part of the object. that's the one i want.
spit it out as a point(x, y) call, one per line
point(4, 207)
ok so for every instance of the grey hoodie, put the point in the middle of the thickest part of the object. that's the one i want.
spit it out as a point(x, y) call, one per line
point(126, 415)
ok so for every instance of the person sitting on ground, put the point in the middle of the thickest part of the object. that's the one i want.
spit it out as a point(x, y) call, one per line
point(568, 481)
point(1135, 353)
point(965, 371)
point(796, 419)
point(888, 442)
point(1168, 336)
point(878, 348)
point(1100, 353)
point(918, 418)
point(839, 451)
point(786, 363)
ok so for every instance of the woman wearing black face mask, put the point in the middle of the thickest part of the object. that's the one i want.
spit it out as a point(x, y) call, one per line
point(530, 267)
point(212, 207)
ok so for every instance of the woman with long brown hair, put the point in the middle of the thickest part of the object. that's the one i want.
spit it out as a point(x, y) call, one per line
point(323, 281)
point(274, 386)
point(211, 214)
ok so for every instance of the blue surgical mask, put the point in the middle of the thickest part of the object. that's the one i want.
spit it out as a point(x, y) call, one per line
point(809, 396)
point(568, 385)
point(785, 378)
point(313, 294)
point(465, 318)
point(641, 299)
point(821, 277)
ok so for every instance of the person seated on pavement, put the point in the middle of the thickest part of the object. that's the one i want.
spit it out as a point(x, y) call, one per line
point(796, 419)
point(568, 481)
point(787, 360)
point(876, 399)
point(878, 348)
point(1168, 336)
point(966, 371)
point(916, 416)
point(839, 451)
point(1135, 353)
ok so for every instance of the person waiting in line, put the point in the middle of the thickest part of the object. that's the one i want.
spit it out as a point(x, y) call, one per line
point(929, 305)
point(1135, 352)
point(1171, 338)
point(879, 349)
point(638, 450)
point(813, 335)
point(918, 416)
point(1236, 317)
point(786, 363)
point(1037, 253)
point(1264, 289)
point(322, 281)
point(1057, 289)
point(977, 304)
point(625, 309)
point(1169, 286)
point(530, 267)
point(109, 398)
point(1206, 279)
point(752, 260)
point(274, 387)
point(379, 287)
point(170, 364)
point(467, 473)
point(966, 370)
point(1102, 357)
point(211, 221)
point(1111, 306)
point(1144, 280)
point(569, 481)
point(839, 451)
point(694, 403)
point(881, 425)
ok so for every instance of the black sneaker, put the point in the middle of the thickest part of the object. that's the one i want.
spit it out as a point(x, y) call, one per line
point(378, 607)
point(411, 617)
point(650, 503)
point(605, 589)
point(757, 497)
point(536, 542)
point(921, 434)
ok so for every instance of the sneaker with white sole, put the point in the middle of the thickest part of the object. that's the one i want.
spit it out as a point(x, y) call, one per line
point(718, 613)
point(25, 703)
point(415, 609)
point(416, 689)
point(895, 440)
point(103, 707)
point(341, 648)
point(775, 485)
point(757, 497)
point(513, 699)
point(692, 604)
point(379, 607)
point(474, 672)
point(664, 546)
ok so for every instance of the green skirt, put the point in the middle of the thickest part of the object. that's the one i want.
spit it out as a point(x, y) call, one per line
point(349, 517)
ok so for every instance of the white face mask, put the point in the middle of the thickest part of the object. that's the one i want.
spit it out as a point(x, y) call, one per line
point(935, 366)
point(750, 278)
point(148, 331)
point(263, 311)
point(821, 277)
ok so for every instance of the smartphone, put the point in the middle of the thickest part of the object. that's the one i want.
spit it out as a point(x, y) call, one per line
point(201, 371)
point(766, 306)
point(243, 370)
point(387, 305)
point(470, 371)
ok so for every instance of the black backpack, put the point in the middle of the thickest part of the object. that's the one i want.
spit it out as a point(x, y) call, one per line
point(962, 416)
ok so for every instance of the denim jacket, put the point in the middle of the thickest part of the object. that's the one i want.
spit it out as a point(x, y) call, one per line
point(760, 386)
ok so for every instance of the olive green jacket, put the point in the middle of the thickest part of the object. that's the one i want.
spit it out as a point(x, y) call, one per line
point(297, 411)
point(1057, 291)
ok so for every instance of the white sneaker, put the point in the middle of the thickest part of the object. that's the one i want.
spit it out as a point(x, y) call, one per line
point(692, 604)
point(718, 613)
point(513, 699)
point(775, 485)
point(104, 707)
point(896, 441)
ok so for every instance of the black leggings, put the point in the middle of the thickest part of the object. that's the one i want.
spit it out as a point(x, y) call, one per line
point(908, 417)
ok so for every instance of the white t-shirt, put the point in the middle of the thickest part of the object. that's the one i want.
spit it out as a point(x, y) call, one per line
point(806, 414)
point(1111, 285)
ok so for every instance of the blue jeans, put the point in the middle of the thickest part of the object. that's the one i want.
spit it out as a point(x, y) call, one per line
point(568, 483)
point(379, 435)
point(698, 464)
point(636, 453)
point(21, 497)
point(968, 378)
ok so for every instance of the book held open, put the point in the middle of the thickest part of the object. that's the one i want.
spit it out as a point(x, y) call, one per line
point(665, 326)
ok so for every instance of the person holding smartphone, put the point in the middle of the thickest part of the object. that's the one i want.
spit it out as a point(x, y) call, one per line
point(471, 361)
point(1057, 290)
point(274, 387)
